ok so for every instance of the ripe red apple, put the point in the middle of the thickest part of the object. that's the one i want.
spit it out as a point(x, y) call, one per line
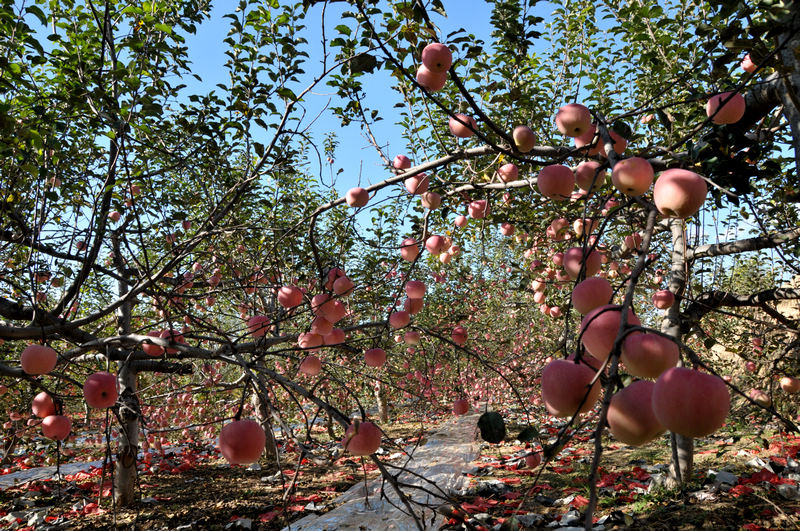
point(533, 460)
point(411, 337)
point(258, 325)
point(630, 414)
point(362, 438)
point(417, 184)
point(56, 427)
point(790, 384)
point(507, 229)
point(461, 221)
point(632, 176)
point(573, 119)
point(431, 200)
point(564, 386)
point(100, 390)
point(437, 57)
point(336, 337)
point(479, 209)
point(409, 249)
point(430, 80)
point(415, 289)
point(574, 259)
point(38, 359)
point(343, 286)
point(679, 193)
point(508, 172)
point(413, 306)
point(357, 197)
point(748, 65)
point(309, 340)
point(435, 244)
point(311, 365)
point(460, 407)
point(399, 319)
point(663, 299)
point(691, 403)
point(290, 296)
point(750, 366)
point(114, 216)
point(173, 336)
point(150, 349)
point(728, 113)
point(375, 357)
point(587, 172)
point(321, 326)
point(591, 293)
point(242, 441)
point(459, 335)
point(401, 162)
point(599, 329)
point(524, 138)
point(462, 126)
point(760, 397)
point(649, 355)
point(556, 182)
point(43, 405)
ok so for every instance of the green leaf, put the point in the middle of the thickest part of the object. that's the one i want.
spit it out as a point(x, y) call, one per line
point(492, 426)
point(363, 63)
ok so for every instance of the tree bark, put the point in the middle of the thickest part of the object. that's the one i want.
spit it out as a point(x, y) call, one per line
point(383, 406)
point(128, 444)
point(264, 416)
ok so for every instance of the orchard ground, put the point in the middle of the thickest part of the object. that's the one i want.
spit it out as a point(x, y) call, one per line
point(191, 484)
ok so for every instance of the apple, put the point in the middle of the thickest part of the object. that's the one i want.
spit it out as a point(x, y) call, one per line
point(399, 319)
point(56, 427)
point(630, 414)
point(343, 286)
point(290, 296)
point(375, 357)
point(409, 249)
point(591, 293)
point(690, 403)
point(258, 325)
point(411, 337)
point(311, 365)
point(587, 172)
point(597, 144)
point(649, 355)
point(460, 407)
point(417, 184)
point(565, 385)
point(362, 438)
point(508, 172)
point(459, 335)
point(242, 441)
point(114, 216)
point(461, 221)
point(748, 65)
point(430, 80)
point(533, 460)
point(431, 200)
point(100, 390)
point(573, 119)
point(333, 310)
point(556, 182)
point(38, 359)
point(335, 337)
point(663, 299)
point(321, 326)
point(599, 329)
point(507, 229)
point(309, 340)
point(679, 193)
point(435, 244)
point(401, 162)
point(760, 397)
point(462, 126)
point(43, 405)
point(357, 197)
point(413, 306)
point(150, 349)
point(576, 257)
point(632, 176)
point(173, 336)
point(415, 289)
point(479, 209)
point(728, 113)
point(790, 384)
point(437, 57)
point(750, 366)
point(524, 138)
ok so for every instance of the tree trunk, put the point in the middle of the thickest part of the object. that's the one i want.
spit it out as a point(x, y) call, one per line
point(264, 416)
point(383, 406)
point(682, 447)
point(128, 444)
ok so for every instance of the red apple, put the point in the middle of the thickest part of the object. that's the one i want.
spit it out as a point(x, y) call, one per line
point(375, 357)
point(290, 296)
point(459, 335)
point(311, 365)
point(591, 293)
point(309, 340)
point(399, 319)
point(574, 259)
point(242, 441)
point(790, 384)
point(573, 119)
point(336, 337)
point(533, 460)
point(679, 193)
point(150, 349)
point(564, 386)
point(38, 359)
point(461, 221)
point(56, 427)
point(760, 397)
point(362, 438)
point(524, 138)
point(462, 126)
point(401, 162)
point(357, 197)
point(507, 229)
point(258, 325)
point(429, 80)
point(321, 326)
point(437, 57)
point(173, 336)
point(413, 306)
point(343, 286)
point(649, 355)
point(508, 172)
point(690, 403)
point(632, 176)
point(630, 414)
point(415, 289)
point(556, 182)
point(599, 329)
point(435, 244)
point(417, 184)
point(114, 216)
point(663, 299)
point(587, 172)
point(409, 249)
point(100, 390)
point(411, 337)
point(479, 209)
point(431, 200)
point(460, 407)
point(748, 65)
point(43, 405)
point(728, 113)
